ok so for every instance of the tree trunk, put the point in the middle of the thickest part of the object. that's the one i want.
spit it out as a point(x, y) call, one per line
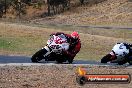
point(48, 7)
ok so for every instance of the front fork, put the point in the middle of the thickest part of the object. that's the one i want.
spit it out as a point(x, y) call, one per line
point(49, 52)
point(47, 48)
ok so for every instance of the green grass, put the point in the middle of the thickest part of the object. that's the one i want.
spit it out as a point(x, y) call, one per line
point(12, 44)
point(23, 45)
point(4, 44)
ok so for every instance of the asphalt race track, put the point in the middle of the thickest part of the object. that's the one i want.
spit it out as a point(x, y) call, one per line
point(25, 61)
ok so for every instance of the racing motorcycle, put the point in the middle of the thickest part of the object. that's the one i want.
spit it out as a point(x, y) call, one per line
point(117, 55)
point(53, 50)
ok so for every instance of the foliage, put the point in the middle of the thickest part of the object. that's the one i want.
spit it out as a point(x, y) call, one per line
point(38, 5)
point(18, 6)
point(4, 5)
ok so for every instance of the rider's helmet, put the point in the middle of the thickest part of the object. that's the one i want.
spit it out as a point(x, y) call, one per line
point(75, 35)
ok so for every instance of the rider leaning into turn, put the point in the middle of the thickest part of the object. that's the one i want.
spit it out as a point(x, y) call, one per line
point(75, 45)
point(127, 57)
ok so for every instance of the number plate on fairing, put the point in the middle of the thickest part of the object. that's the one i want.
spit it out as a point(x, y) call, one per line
point(55, 46)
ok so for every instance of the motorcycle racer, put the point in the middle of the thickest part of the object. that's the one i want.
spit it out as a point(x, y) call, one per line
point(75, 45)
point(121, 54)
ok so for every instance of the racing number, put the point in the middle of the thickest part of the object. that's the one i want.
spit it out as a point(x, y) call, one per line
point(58, 40)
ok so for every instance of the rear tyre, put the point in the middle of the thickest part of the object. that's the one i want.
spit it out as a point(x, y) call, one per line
point(38, 55)
point(59, 61)
point(70, 61)
point(122, 62)
point(130, 60)
point(106, 58)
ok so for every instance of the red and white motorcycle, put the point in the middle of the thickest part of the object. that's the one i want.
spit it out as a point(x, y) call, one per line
point(117, 55)
point(53, 50)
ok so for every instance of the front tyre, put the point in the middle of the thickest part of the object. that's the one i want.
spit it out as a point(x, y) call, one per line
point(106, 58)
point(39, 55)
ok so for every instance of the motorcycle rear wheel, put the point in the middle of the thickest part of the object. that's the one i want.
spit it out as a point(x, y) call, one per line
point(38, 55)
point(130, 60)
point(70, 61)
point(59, 61)
point(122, 62)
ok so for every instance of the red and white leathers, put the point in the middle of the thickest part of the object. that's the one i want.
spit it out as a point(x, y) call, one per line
point(74, 48)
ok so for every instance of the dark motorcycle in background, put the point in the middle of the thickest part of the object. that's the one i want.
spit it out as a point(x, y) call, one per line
point(117, 55)
point(53, 50)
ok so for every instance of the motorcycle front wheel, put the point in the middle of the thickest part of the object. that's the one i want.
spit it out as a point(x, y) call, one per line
point(38, 55)
point(106, 58)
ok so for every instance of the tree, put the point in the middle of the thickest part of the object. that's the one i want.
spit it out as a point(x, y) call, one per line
point(55, 5)
point(82, 1)
point(19, 7)
point(1, 10)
